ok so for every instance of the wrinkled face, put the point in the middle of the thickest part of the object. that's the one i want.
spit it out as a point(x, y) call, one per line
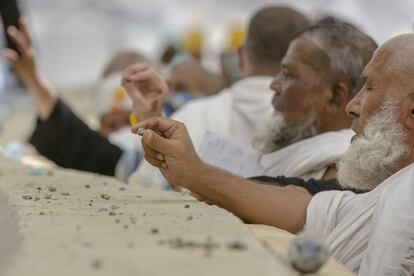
point(383, 121)
point(376, 155)
point(379, 86)
point(298, 88)
point(113, 121)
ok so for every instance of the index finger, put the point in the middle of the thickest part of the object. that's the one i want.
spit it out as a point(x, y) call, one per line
point(25, 30)
point(160, 124)
point(130, 70)
point(137, 97)
point(17, 38)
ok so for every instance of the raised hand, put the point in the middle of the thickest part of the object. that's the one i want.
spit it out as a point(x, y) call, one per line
point(24, 64)
point(24, 61)
point(147, 89)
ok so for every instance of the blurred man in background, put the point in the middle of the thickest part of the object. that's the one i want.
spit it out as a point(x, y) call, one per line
point(187, 80)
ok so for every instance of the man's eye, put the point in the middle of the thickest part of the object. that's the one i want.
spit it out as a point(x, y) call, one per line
point(368, 87)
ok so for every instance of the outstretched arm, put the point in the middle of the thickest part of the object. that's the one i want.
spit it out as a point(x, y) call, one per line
point(167, 146)
point(25, 65)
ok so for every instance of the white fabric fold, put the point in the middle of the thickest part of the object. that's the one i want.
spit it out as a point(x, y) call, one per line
point(391, 245)
point(308, 158)
point(369, 233)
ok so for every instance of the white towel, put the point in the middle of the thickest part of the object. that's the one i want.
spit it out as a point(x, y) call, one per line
point(308, 158)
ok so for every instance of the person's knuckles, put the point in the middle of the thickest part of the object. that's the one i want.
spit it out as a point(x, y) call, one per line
point(154, 140)
point(151, 153)
point(152, 161)
point(147, 138)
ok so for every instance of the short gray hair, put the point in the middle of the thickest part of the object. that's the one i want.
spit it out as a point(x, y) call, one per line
point(345, 51)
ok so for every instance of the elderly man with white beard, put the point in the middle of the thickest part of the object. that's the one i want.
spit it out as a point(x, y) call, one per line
point(310, 129)
point(371, 233)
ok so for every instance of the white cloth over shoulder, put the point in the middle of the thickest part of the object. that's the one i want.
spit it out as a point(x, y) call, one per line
point(236, 113)
point(305, 159)
point(308, 158)
point(370, 233)
point(391, 245)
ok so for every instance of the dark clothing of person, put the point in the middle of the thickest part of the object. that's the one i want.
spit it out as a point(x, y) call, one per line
point(66, 140)
point(312, 186)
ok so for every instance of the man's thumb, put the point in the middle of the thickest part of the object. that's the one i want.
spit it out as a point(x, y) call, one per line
point(156, 141)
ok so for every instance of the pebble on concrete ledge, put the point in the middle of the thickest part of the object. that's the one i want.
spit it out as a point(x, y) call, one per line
point(105, 196)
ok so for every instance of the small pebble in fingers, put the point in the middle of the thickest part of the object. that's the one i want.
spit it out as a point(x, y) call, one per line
point(140, 131)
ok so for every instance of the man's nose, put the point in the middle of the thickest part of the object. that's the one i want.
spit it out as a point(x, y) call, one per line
point(353, 107)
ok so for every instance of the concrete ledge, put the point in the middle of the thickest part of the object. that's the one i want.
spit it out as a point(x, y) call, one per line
point(62, 222)
point(10, 237)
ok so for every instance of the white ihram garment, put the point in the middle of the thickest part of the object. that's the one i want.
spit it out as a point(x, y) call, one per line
point(371, 233)
point(308, 158)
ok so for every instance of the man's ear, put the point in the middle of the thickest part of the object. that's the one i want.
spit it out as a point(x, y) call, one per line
point(409, 121)
point(339, 96)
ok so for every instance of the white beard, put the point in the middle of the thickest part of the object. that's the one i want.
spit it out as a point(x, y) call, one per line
point(278, 134)
point(376, 155)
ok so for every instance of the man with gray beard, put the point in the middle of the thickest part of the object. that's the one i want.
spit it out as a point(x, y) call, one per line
point(319, 75)
point(308, 131)
point(376, 155)
point(371, 233)
point(320, 71)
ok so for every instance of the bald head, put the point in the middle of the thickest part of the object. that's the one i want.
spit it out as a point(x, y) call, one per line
point(191, 77)
point(394, 60)
point(122, 60)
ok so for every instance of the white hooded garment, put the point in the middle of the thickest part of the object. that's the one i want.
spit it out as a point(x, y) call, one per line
point(236, 113)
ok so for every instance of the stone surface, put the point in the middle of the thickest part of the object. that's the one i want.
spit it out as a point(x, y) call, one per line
point(278, 241)
point(73, 230)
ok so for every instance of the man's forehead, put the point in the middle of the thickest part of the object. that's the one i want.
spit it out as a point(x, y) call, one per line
point(366, 74)
point(395, 57)
point(392, 66)
point(378, 65)
point(303, 51)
